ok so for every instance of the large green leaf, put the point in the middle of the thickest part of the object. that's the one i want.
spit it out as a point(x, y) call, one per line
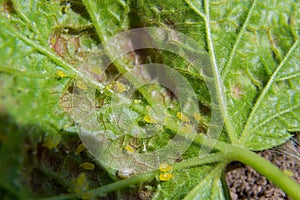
point(251, 43)
point(254, 44)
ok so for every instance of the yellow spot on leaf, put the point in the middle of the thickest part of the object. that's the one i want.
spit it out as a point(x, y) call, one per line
point(80, 148)
point(182, 117)
point(150, 120)
point(87, 166)
point(164, 167)
point(165, 176)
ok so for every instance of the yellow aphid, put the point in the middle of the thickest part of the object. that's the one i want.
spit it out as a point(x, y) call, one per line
point(80, 148)
point(66, 8)
point(61, 74)
point(53, 41)
point(150, 120)
point(187, 128)
point(52, 141)
point(197, 116)
point(129, 149)
point(288, 172)
point(81, 184)
point(81, 179)
point(80, 84)
point(165, 176)
point(164, 167)
point(182, 117)
point(87, 166)
point(137, 101)
point(120, 87)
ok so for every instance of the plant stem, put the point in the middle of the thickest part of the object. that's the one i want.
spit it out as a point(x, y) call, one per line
point(267, 169)
point(261, 165)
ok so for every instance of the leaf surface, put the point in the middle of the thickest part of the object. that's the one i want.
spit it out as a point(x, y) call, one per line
point(254, 44)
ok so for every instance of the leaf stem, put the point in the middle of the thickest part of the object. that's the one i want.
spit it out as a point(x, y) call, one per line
point(142, 177)
point(261, 165)
point(267, 169)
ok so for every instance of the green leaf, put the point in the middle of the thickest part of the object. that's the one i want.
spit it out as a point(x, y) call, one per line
point(249, 42)
point(45, 46)
point(277, 108)
point(109, 17)
point(251, 70)
point(31, 82)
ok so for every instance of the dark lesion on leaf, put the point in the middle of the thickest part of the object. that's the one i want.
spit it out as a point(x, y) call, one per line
point(7, 6)
point(237, 91)
point(66, 42)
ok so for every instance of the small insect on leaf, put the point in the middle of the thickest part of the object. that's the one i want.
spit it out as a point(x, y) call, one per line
point(87, 166)
point(149, 119)
point(187, 128)
point(129, 149)
point(61, 74)
point(182, 117)
point(120, 87)
point(80, 84)
point(81, 184)
point(125, 173)
point(164, 167)
point(165, 176)
point(52, 141)
point(80, 148)
point(137, 101)
point(197, 116)
point(288, 172)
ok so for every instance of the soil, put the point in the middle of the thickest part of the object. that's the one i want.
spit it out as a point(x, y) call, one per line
point(246, 183)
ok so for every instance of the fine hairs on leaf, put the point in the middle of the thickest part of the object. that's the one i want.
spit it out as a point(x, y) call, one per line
point(72, 71)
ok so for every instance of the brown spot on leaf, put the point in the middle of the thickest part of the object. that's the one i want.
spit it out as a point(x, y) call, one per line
point(7, 7)
point(58, 44)
point(237, 91)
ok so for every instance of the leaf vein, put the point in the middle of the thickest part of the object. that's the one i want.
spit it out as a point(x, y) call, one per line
point(246, 131)
point(277, 115)
point(238, 39)
point(197, 11)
